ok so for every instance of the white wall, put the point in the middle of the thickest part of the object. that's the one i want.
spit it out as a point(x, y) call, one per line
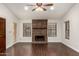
point(73, 17)
point(5, 13)
point(29, 39)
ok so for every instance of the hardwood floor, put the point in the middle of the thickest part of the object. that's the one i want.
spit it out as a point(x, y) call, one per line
point(50, 49)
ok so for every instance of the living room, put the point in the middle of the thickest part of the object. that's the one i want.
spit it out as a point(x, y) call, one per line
point(51, 28)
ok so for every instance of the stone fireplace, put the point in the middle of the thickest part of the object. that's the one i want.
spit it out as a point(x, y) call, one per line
point(39, 31)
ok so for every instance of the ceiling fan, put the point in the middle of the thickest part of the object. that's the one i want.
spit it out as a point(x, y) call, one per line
point(40, 6)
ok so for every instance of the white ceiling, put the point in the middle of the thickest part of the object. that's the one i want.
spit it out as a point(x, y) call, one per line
point(18, 10)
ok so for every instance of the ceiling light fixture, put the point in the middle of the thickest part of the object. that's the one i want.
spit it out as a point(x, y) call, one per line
point(52, 7)
point(25, 7)
point(39, 9)
point(41, 6)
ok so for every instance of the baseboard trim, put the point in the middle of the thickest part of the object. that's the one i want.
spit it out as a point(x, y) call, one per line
point(11, 45)
point(71, 47)
point(37, 42)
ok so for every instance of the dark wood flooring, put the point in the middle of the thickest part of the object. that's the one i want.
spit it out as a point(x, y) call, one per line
point(50, 49)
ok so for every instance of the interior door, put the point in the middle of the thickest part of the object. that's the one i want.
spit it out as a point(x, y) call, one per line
point(2, 35)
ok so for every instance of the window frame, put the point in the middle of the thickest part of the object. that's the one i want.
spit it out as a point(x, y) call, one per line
point(52, 28)
point(67, 29)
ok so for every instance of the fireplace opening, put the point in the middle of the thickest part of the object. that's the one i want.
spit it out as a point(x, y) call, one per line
point(39, 38)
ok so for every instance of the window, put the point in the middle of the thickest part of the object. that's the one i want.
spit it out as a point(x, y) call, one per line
point(52, 29)
point(67, 29)
point(26, 29)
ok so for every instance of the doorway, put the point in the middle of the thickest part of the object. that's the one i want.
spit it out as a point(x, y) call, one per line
point(14, 31)
point(2, 35)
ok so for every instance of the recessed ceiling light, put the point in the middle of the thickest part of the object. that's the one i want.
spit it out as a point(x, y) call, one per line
point(25, 7)
point(52, 7)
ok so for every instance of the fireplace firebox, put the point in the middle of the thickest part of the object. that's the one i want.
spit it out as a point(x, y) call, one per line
point(39, 38)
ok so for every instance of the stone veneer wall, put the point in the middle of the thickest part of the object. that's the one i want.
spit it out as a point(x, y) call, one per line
point(39, 28)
